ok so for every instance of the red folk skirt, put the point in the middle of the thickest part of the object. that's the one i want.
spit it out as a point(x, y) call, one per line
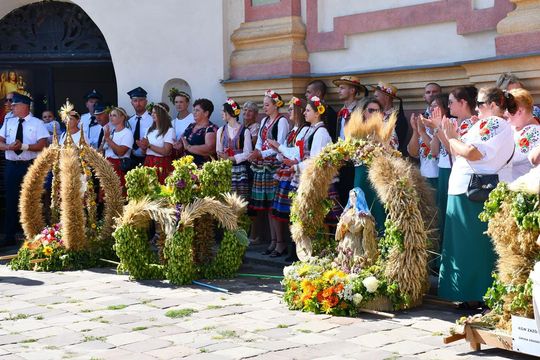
point(118, 170)
point(163, 165)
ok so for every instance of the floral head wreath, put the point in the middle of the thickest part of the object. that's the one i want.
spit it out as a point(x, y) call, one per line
point(234, 106)
point(317, 102)
point(161, 107)
point(174, 92)
point(275, 97)
point(295, 101)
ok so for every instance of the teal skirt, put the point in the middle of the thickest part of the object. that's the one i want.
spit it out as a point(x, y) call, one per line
point(442, 198)
point(375, 205)
point(467, 255)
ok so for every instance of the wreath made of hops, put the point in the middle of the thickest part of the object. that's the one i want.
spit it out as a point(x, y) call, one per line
point(178, 265)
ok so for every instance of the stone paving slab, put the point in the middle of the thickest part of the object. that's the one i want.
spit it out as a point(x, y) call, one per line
point(101, 315)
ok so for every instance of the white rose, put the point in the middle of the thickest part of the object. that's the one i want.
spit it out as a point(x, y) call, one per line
point(38, 237)
point(371, 283)
point(357, 299)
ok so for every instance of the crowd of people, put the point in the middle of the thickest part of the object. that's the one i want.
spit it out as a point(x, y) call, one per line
point(468, 131)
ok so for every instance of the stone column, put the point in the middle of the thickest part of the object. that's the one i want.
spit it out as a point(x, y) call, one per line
point(519, 31)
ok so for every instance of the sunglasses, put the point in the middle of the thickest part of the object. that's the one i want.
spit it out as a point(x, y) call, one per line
point(371, 111)
point(480, 103)
point(9, 100)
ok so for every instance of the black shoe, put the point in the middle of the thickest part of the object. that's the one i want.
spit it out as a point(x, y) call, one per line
point(276, 253)
point(267, 252)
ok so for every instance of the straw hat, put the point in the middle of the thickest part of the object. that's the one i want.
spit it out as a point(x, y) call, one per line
point(349, 80)
point(386, 88)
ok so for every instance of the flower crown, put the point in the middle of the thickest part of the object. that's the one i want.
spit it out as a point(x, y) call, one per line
point(385, 89)
point(295, 101)
point(274, 96)
point(234, 105)
point(174, 92)
point(160, 106)
point(317, 102)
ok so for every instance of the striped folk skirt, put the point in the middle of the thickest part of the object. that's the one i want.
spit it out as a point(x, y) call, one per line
point(281, 208)
point(240, 181)
point(264, 185)
point(163, 165)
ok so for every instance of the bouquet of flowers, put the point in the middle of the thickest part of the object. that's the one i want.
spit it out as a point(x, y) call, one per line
point(43, 252)
point(318, 286)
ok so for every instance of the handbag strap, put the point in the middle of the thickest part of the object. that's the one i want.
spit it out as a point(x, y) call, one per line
point(496, 172)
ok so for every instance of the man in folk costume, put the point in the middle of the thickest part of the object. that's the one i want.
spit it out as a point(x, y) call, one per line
point(22, 137)
point(349, 88)
point(88, 119)
point(139, 123)
point(386, 93)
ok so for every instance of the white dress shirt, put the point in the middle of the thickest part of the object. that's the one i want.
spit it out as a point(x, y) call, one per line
point(33, 131)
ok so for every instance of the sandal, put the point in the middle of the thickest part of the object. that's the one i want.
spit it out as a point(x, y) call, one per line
point(270, 249)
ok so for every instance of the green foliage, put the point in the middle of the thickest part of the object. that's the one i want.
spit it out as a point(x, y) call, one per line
point(142, 182)
point(494, 202)
point(184, 181)
point(525, 211)
point(521, 295)
point(215, 178)
point(178, 253)
point(228, 258)
point(135, 254)
point(392, 240)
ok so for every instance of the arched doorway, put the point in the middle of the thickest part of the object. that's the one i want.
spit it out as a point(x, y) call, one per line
point(52, 50)
point(56, 51)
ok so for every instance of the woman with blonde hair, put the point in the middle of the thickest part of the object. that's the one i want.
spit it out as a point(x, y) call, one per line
point(158, 142)
point(118, 141)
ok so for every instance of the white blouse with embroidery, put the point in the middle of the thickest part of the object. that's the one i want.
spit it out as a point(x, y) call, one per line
point(462, 129)
point(429, 167)
point(493, 137)
point(526, 139)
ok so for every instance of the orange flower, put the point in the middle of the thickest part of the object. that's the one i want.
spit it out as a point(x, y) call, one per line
point(523, 142)
point(339, 287)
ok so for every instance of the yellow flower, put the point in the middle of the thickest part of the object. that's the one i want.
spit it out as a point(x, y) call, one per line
point(47, 250)
point(93, 203)
point(25, 245)
point(93, 226)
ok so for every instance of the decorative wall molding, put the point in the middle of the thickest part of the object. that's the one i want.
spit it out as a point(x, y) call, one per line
point(468, 20)
point(271, 11)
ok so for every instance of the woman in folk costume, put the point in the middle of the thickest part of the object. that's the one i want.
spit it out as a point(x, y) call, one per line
point(526, 133)
point(264, 161)
point(158, 142)
point(488, 147)
point(462, 104)
point(311, 145)
point(290, 156)
point(233, 142)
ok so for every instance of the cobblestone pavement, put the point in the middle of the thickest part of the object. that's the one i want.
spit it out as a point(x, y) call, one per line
point(97, 314)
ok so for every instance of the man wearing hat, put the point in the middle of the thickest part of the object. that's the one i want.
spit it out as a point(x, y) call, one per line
point(22, 137)
point(94, 131)
point(92, 98)
point(349, 88)
point(386, 93)
point(139, 123)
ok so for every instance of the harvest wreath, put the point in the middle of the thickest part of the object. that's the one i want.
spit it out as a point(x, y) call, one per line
point(185, 212)
point(391, 276)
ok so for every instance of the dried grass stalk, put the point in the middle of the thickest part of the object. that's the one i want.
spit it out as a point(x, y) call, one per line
point(72, 210)
point(138, 214)
point(308, 204)
point(374, 128)
point(32, 189)
point(110, 183)
point(224, 213)
point(393, 179)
